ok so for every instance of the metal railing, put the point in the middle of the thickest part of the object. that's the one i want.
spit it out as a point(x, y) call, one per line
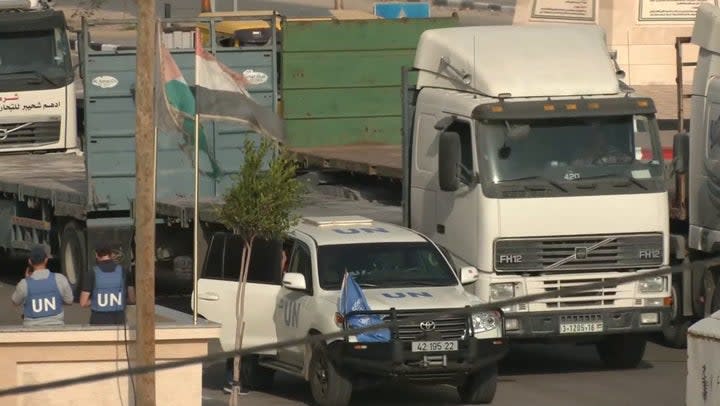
point(679, 65)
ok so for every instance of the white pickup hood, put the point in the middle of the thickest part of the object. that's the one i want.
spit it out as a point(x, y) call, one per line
point(445, 297)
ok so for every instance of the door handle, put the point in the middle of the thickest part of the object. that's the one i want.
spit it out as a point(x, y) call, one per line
point(209, 296)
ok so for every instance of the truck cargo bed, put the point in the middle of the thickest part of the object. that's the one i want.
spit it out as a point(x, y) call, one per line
point(58, 177)
point(315, 204)
point(380, 160)
point(61, 178)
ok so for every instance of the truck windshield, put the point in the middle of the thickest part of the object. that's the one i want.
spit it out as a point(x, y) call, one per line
point(384, 265)
point(34, 60)
point(571, 151)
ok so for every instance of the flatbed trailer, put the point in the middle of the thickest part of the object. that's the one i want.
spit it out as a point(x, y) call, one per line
point(382, 160)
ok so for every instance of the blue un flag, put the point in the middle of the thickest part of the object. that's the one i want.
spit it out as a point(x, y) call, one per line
point(352, 299)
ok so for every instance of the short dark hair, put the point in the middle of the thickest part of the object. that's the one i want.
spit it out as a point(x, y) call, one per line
point(103, 249)
point(38, 255)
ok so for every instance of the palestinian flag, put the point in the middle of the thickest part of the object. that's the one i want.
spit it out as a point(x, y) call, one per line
point(221, 95)
point(176, 111)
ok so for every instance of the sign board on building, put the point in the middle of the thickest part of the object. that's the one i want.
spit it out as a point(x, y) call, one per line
point(670, 10)
point(578, 10)
point(394, 10)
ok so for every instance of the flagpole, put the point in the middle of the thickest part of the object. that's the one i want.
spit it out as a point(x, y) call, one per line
point(196, 194)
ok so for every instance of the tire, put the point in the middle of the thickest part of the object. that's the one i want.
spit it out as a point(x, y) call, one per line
point(675, 331)
point(73, 255)
point(255, 376)
point(328, 386)
point(622, 351)
point(479, 387)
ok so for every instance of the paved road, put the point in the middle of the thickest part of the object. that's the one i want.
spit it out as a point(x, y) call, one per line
point(537, 375)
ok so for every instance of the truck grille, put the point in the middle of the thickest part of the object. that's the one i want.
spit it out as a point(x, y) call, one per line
point(579, 253)
point(449, 327)
point(44, 132)
point(596, 298)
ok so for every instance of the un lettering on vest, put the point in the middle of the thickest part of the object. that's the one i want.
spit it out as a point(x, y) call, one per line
point(109, 299)
point(44, 305)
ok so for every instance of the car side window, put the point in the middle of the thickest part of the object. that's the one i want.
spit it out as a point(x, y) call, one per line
point(224, 260)
point(213, 267)
point(465, 132)
point(301, 263)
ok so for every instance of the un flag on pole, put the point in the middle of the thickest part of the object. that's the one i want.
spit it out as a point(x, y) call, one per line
point(352, 299)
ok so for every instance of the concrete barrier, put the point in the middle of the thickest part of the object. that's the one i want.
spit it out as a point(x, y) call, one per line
point(703, 377)
point(33, 355)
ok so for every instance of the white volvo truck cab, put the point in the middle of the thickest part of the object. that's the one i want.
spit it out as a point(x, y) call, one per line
point(527, 158)
point(37, 90)
point(402, 274)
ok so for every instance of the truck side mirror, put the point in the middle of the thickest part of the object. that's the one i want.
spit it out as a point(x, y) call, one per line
point(449, 161)
point(468, 275)
point(681, 153)
point(294, 281)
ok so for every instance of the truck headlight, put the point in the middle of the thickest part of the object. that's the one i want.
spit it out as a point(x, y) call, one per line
point(501, 291)
point(655, 284)
point(485, 321)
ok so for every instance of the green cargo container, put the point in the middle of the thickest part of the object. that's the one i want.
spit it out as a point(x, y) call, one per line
point(340, 79)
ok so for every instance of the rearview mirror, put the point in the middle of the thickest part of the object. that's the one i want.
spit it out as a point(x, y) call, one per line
point(294, 281)
point(468, 275)
point(449, 161)
point(518, 131)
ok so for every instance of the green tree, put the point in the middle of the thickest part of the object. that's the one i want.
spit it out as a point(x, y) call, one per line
point(262, 203)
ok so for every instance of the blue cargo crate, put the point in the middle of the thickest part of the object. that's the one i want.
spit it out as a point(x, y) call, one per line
point(395, 10)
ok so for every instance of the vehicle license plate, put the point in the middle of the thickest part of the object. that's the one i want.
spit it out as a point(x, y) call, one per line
point(587, 327)
point(434, 346)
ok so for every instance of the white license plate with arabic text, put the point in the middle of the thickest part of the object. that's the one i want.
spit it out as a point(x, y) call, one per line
point(434, 346)
point(579, 328)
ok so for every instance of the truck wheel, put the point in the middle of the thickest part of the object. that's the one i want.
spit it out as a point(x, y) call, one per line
point(675, 331)
point(73, 255)
point(622, 351)
point(255, 376)
point(328, 386)
point(479, 387)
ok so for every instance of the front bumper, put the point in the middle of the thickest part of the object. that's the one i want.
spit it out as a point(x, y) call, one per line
point(396, 359)
point(614, 321)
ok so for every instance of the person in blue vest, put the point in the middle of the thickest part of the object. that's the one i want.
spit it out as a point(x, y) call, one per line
point(107, 289)
point(42, 293)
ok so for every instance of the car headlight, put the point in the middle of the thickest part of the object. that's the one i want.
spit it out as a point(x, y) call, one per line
point(655, 284)
point(501, 291)
point(485, 321)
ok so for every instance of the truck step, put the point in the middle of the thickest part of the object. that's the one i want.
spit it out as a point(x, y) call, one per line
point(282, 366)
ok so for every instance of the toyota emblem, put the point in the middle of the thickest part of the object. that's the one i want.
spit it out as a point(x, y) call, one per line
point(427, 325)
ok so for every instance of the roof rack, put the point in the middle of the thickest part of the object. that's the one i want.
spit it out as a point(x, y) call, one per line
point(334, 221)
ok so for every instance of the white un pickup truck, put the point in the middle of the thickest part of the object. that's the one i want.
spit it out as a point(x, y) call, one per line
point(402, 274)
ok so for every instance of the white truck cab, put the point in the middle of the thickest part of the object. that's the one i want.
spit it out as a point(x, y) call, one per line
point(527, 158)
point(401, 272)
point(37, 81)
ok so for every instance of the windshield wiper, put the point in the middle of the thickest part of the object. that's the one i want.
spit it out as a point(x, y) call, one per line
point(367, 285)
point(34, 72)
point(420, 283)
point(630, 179)
point(549, 181)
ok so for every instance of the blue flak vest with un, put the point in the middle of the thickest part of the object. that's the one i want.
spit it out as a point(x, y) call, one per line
point(109, 292)
point(43, 298)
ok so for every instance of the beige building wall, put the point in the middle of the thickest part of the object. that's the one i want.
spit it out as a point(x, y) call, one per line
point(37, 355)
point(643, 33)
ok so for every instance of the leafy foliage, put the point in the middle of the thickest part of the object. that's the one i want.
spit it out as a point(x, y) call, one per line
point(262, 201)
